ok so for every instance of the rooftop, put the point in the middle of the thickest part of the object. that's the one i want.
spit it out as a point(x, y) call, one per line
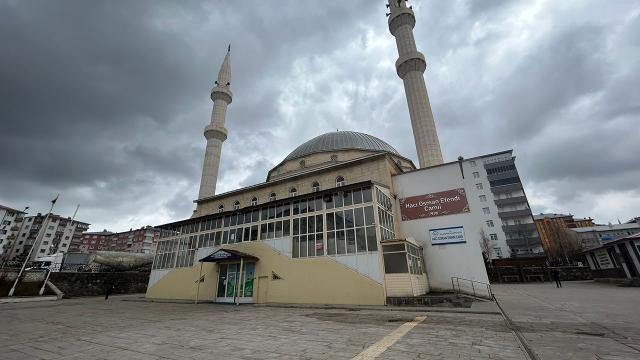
point(341, 140)
point(607, 227)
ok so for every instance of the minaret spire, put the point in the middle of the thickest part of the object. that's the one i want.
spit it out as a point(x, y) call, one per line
point(410, 67)
point(215, 132)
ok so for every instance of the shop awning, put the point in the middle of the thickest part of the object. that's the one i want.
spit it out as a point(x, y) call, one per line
point(227, 254)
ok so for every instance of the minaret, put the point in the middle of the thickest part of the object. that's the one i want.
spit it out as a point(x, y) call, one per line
point(410, 66)
point(215, 132)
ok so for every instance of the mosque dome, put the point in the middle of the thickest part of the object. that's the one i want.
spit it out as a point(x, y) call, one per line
point(341, 140)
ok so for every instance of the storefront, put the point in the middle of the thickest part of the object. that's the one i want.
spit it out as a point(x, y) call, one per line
point(235, 276)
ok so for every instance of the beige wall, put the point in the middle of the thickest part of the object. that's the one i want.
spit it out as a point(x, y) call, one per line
point(406, 284)
point(318, 280)
point(377, 169)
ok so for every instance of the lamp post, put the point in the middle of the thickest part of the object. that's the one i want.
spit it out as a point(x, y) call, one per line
point(5, 257)
point(38, 236)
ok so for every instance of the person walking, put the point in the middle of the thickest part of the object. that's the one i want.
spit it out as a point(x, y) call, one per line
point(108, 291)
point(555, 274)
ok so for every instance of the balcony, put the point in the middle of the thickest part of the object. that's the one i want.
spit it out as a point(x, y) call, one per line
point(529, 227)
point(506, 188)
point(511, 200)
point(14, 228)
point(524, 242)
point(514, 213)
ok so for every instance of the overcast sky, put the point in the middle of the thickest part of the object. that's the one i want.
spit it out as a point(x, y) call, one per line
point(105, 102)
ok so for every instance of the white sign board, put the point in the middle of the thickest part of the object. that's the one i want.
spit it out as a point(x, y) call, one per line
point(450, 235)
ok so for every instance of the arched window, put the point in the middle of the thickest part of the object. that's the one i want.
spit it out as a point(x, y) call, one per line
point(254, 201)
point(273, 197)
point(220, 208)
point(334, 157)
point(236, 205)
point(315, 187)
point(340, 181)
point(293, 192)
point(302, 164)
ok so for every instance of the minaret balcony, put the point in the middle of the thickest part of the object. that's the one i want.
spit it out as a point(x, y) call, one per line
point(213, 131)
point(410, 62)
point(401, 17)
point(221, 93)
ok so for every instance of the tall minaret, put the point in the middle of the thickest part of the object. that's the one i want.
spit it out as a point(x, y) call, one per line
point(215, 132)
point(410, 66)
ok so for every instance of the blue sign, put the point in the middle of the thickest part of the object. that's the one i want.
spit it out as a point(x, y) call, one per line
point(449, 235)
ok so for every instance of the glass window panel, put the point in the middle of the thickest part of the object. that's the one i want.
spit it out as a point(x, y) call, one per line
point(331, 243)
point(303, 225)
point(366, 195)
point(227, 220)
point(348, 200)
point(348, 219)
point(351, 241)
point(295, 248)
point(311, 224)
point(296, 207)
point(278, 229)
point(311, 205)
point(311, 245)
point(330, 222)
point(318, 203)
point(319, 223)
point(296, 225)
point(263, 231)
point(247, 217)
point(254, 233)
point(337, 199)
point(328, 201)
point(303, 245)
point(265, 213)
point(393, 248)
point(240, 217)
point(270, 230)
point(359, 216)
point(272, 212)
point(319, 245)
point(341, 247)
point(339, 220)
point(218, 237)
point(357, 197)
point(247, 234)
point(225, 237)
point(255, 215)
point(232, 236)
point(201, 241)
point(361, 240)
point(279, 210)
point(303, 206)
point(286, 210)
point(234, 220)
point(372, 243)
point(285, 227)
point(395, 263)
point(368, 216)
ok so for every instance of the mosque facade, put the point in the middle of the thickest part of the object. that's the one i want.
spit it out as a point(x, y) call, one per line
point(345, 218)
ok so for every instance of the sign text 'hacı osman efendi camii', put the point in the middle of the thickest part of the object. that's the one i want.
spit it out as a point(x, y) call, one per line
point(435, 204)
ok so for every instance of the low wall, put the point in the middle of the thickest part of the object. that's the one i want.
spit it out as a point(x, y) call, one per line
point(95, 284)
point(534, 273)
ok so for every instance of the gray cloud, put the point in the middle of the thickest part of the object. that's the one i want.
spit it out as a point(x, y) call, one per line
point(106, 102)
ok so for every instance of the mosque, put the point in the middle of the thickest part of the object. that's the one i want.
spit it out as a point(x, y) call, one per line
point(345, 218)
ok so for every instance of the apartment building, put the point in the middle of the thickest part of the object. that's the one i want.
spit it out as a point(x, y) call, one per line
point(141, 240)
point(10, 221)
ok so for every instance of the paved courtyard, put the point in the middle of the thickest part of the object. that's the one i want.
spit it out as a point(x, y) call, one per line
point(91, 328)
point(584, 320)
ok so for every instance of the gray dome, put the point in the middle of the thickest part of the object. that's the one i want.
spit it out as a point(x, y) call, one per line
point(341, 140)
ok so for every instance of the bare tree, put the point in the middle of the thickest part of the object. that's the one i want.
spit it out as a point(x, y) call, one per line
point(562, 246)
point(485, 246)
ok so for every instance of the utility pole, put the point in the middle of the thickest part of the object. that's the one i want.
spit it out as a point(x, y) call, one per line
point(36, 241)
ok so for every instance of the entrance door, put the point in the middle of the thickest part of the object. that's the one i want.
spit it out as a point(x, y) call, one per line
point(230, 285)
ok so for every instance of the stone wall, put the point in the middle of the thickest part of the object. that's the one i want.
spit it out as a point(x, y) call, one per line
point(95, 284)
point(533, 274)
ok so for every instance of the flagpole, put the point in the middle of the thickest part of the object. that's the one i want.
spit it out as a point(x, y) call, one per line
point(42, 230)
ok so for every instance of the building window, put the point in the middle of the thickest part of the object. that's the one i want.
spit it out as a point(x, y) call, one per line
point(489, 223)
point(303, 164)
point(254, 201)
point(315, 187)
point(507, 195)
point(292, 192)
point(498, 252)
point(340, 181)
point(50, 227)
point(517, 222)
point(220, 208)
point(272, 197)
point(494, 237)
point(483, 198)
point(479, 186)
point(236, 205)
point(486, 210)
point(47, 235)
point(334, 157)
point(473, 163)
point(476, 174)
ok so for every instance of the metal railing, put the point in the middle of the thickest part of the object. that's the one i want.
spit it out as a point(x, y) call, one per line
point(474, 285)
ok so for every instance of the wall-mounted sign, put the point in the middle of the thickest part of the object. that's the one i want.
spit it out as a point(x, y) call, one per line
point(434, 204)
point(450, 235)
